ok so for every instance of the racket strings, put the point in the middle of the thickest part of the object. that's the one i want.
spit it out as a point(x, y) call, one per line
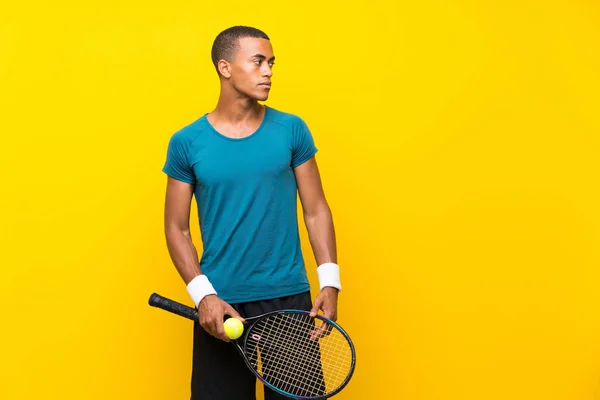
point(302, 371)
point(314, 361)
point(313, 365)
point(275, 360)
point(283, 371)
point(293, 362)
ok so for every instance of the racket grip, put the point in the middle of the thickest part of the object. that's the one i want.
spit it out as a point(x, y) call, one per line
point(172, 306)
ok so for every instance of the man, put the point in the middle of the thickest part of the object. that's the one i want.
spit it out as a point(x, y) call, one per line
point(245, 163)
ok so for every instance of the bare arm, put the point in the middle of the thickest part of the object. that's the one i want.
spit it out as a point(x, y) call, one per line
point(177, 229)
point(321, 232)
point(184, 255)
point(316, 211)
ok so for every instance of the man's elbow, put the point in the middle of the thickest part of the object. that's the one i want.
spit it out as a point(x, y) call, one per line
point(174, 231)
point(320, 210)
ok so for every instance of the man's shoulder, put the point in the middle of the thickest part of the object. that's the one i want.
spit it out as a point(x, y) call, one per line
point(285, 118)
point(189, 132)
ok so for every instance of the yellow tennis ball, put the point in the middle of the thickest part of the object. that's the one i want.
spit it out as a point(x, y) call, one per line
point(233, 328)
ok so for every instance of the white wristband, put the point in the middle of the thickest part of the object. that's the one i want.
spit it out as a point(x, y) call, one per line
point(329, 275)
point(198, 288)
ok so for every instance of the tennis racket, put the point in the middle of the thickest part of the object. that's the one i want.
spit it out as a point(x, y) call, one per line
point(294, 354)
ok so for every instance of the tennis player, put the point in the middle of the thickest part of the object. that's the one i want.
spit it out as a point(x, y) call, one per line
point(245, 163)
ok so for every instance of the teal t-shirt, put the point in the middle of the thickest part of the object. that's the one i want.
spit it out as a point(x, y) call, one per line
point(246, 194)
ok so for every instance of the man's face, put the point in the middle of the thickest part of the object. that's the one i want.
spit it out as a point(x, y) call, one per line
point(251, 68)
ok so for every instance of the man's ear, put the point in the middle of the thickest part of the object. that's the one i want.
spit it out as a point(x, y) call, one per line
point(224, 69)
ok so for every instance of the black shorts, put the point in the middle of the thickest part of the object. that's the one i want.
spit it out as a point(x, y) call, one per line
point(218, 370)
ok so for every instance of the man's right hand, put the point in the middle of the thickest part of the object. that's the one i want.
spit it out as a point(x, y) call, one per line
point(211, 315)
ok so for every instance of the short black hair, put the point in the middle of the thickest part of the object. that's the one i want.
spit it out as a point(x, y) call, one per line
point(225, 43)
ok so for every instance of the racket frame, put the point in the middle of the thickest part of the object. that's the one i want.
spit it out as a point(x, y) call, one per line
point(191, 313)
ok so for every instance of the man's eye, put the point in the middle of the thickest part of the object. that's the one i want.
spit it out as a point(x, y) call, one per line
point(257, 62)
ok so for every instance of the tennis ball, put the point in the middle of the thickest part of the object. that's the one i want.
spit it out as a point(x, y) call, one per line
point(233, 328)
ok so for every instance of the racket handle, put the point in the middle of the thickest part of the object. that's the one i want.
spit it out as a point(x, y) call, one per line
point(158, 301)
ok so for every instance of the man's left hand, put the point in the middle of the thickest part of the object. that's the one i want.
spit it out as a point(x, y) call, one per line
point(326, 301)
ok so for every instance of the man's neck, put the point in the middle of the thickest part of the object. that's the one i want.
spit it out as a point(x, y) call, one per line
point(236, 110)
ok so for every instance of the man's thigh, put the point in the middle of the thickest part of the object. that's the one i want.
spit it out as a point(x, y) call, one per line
point(218, 370)
point(300, 301)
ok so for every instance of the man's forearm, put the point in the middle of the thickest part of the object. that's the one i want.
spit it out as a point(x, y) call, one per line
point(321, 234)
point(183, 253)
point(185, 257)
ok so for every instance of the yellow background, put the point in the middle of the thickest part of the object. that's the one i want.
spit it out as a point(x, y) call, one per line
point(459, 147)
